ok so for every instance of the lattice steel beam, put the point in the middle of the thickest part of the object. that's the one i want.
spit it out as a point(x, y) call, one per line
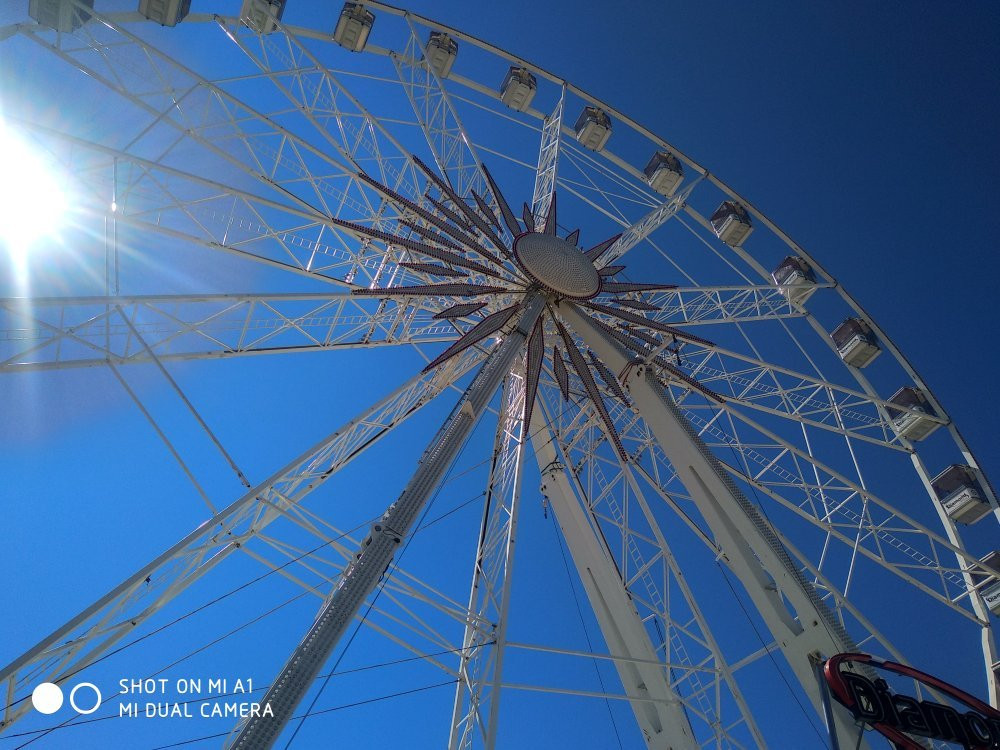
point(53, 333)
point(73, 646)
point(477, 697)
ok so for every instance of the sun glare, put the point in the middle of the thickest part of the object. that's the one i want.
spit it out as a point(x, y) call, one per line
point(32, 202)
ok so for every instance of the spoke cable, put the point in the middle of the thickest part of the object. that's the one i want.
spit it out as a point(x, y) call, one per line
point(353, 670)
point(386, 575)
point(420, 526)
point(317, 713)
point(774, 662)
point(590, 645)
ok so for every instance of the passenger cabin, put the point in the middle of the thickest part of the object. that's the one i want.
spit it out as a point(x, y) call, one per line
point(262, 16)
point(795, 279)
point(855, 342)
point(61, 15)
point(165, 12)
point(664, 173)
point(593, 128)
point(441, 53)
point(913, 423)
point(731, 223)
point(353, 27)
point(990, 591)
point(518, 88)
point(958, 490)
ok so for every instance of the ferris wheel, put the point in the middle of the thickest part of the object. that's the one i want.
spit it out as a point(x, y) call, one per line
point(569, 433)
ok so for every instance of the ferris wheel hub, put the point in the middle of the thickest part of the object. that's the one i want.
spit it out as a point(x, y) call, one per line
point(558, 265)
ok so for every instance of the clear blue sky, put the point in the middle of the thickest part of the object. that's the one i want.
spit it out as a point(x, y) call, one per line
point(866, 131)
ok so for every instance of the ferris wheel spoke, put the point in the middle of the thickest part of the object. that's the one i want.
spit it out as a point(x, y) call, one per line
point(548, 162)
point(316, 95)
point(884, 537)
point(313, 91)
point(323, 566)
point(650, 573)
point(477, 693)
point(453, 149)
point(658, 710)
point(378, 552)
point(754, 551)
point(393, 615)
point(401, 624)
point(55, 333)
point(158, 199)
point(716, 305)
point(333, 110)
point(755, 382)
point(218, 122)
point(95, 630)
point(846, 511)
point(614, 197)
point(649, 223)
point(836, 507)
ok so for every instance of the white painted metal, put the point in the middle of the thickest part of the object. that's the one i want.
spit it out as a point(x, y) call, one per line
point(548, 163)
point(303, 190)
point(89, 634)
point(379, 548)
point(803, 629)
point(650, 573)
point(477, 694)
point(661, 719)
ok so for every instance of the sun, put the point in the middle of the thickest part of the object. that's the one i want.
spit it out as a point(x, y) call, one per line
point(32, 201)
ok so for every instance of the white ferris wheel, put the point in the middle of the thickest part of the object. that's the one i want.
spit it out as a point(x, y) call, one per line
point(571, 442)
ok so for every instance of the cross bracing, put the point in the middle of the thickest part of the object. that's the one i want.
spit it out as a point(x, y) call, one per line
point(289, 166)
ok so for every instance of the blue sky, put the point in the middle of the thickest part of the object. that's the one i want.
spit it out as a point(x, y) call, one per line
point(863, 130)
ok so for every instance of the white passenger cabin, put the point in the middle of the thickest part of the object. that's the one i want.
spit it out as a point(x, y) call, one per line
point(795, 279)
point(441, 53)
point(262, 16)
point(913, 423)
point(593, 128)
point(353, 27)
point(855, 342)
point(731, 223)
point(61, 15)
point(664, 173)
point(991, 591)
point(165, 12)
point(518, 88)
point(959, 493)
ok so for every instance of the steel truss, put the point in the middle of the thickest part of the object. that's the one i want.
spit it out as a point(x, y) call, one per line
point(477, 694)
point(295, 162)
point(111, 618)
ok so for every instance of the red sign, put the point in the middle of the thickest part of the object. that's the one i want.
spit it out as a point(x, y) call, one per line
point(896, 716)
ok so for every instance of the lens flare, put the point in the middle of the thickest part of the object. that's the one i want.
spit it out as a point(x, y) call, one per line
point(32, 202)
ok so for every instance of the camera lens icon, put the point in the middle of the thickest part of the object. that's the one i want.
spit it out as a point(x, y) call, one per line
point(47, 698)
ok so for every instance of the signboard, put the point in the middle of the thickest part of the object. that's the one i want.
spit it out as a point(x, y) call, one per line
point(975, 725)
